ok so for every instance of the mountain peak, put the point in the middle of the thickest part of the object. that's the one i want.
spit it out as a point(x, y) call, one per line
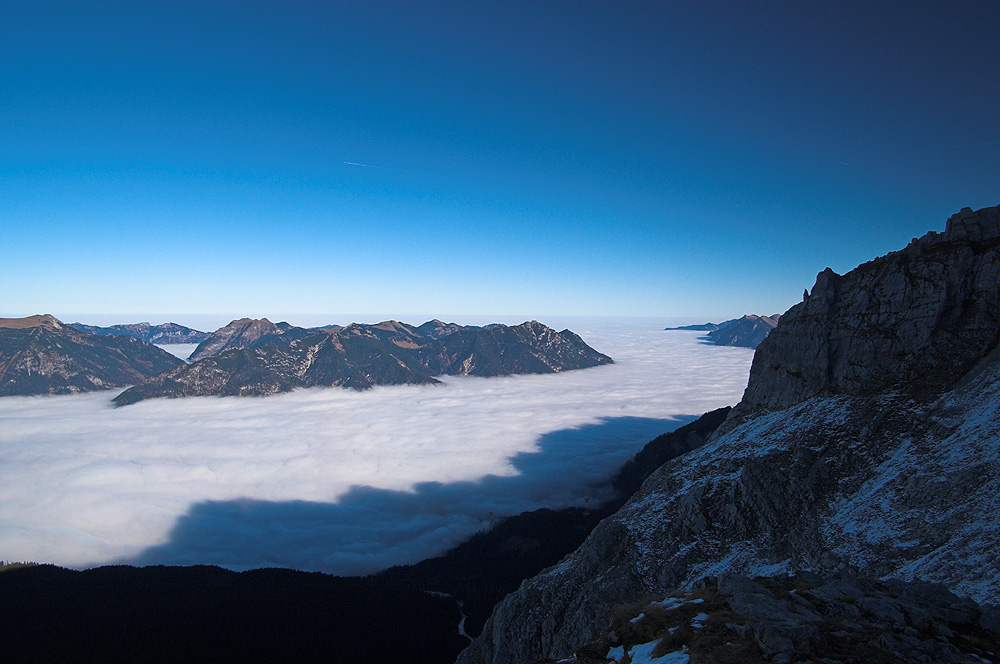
point(248, 333)
point(967, 225)
point(919, 317)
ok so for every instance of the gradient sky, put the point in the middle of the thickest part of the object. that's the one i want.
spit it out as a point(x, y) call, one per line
point(701, 159)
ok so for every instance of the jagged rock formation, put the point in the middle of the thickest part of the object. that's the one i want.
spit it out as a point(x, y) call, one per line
point(248, 333)
point(746, 332)
point(922, 316)
point(360, 356)
point(801, 619)
point(40, 355)
point(867, 441)
point(166, 333)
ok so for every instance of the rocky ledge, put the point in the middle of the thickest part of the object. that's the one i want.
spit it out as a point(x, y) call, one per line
point(806, 618)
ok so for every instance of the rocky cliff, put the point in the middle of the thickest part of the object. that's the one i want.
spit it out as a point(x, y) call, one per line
point(921, 317)
point(867, 442)
point(40, 355)
point(360, 356)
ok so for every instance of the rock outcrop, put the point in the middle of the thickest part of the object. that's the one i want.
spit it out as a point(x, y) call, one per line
point(867, 442)
point(922, 317)
point(165, 333)
point(40, 355)
point(361, 356)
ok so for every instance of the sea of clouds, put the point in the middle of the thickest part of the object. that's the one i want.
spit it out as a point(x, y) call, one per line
point(336, 480)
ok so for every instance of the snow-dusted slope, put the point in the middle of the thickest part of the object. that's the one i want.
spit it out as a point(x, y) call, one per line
point(885, 467)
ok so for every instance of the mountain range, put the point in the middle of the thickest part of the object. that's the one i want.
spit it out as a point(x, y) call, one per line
point(40, 355)
point(747, 331)
point(865, 446)
point(164, 334)
point(361, 356)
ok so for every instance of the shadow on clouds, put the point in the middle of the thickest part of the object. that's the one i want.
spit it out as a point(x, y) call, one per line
point(368, 529)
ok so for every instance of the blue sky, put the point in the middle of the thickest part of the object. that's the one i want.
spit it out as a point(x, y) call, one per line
point(671, 159)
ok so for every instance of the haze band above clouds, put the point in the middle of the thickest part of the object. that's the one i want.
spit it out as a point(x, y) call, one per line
point(336, 480)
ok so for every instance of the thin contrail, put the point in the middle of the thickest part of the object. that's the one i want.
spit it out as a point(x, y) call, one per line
point(429, 175)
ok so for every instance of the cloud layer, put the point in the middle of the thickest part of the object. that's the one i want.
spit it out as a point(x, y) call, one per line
point(336, 480)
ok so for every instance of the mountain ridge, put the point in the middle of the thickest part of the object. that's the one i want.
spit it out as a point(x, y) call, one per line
point(747, 331)
point(164, 333)
point(41, 355)
point(361, 356)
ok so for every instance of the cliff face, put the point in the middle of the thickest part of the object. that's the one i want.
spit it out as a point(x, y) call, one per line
point(922, 317)
point(867, 441)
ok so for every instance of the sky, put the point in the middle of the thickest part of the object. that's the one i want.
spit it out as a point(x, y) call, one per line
point(699, 160)
point(338, 480)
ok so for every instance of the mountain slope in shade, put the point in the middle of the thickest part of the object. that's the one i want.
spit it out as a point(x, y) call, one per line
point(360, 356)
point(703, 327)
point(248, 333)
point(194, 614)
point(746, 332)
point(40, 355)
point(867, 442)
point(166, 333)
